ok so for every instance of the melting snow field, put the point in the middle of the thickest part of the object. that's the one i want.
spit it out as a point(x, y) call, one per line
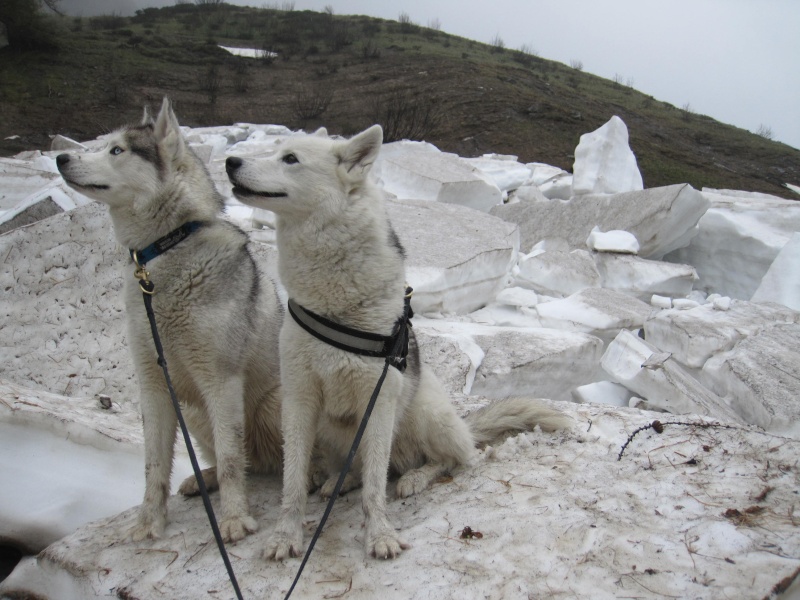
point(528, 281)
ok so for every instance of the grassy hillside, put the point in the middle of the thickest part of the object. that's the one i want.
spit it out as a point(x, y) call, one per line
point(348, 72)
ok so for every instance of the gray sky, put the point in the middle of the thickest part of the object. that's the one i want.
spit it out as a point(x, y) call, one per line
point(737, 61)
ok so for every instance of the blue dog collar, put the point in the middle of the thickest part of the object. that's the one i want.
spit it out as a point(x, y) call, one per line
point(161, 245)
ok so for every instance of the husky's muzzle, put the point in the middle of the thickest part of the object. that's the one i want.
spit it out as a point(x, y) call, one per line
point(232, 166)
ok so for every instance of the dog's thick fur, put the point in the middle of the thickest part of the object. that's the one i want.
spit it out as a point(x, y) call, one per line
point(340, 258)
point(218, 318)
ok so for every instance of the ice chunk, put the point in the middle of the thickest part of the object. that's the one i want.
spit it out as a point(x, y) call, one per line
point(62, 143)
point(515, 296)
point(660, 301)
point(541, 173)
point(695, 335)
point(621, 242)
point(642, 278)
point(739, 238)
point(594, 310)
point(410, 171)
point(661, 219)
point(604, 163)
point(602, 392)
point(535, 362)
point(781, 283)
point(558, 273)
point(458, 259)
point(503, 170)
point(666, 386)
point(497, 362)
point(761, 377)
point(527, 193)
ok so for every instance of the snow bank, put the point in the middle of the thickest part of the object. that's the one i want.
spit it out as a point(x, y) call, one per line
point(558, 516)
point(555, 321)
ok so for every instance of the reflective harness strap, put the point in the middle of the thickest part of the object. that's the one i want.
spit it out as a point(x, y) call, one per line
point(394, 346)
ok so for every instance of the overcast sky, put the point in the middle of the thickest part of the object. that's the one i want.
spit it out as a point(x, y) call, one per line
point(737, 61)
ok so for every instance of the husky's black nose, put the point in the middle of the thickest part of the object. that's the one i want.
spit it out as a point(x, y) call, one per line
point(61, 160)
point(232, 163)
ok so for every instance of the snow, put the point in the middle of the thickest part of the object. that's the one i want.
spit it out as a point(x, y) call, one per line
point(612, 241)
point(556, 273)
point(249, 52)
point(643, 278)
point(739, 237)
point(655, 527)
point(75, 468)
point(661, 219)
point(781, 282)
point(419, 171)
point(508, 303)
point(604, 163)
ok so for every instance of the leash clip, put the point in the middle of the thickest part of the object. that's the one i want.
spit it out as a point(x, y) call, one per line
point(143, 275)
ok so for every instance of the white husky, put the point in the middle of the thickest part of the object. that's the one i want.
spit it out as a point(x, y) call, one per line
point(340, 258)
point(217, 317)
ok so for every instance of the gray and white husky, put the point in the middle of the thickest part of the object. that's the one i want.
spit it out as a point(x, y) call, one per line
point(339, 257)
point(218, 318)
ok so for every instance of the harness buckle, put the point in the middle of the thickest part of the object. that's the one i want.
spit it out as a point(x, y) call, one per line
point(143, 275)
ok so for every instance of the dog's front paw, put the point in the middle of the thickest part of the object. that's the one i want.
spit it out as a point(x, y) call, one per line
point(190, 487)
point(237, 528)
point(385, 544)
point(150, 525)
point(285, 542)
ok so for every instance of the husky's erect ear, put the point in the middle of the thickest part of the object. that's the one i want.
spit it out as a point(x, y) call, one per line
point(147, 118)
point(358, 153)
point(321, 132)
point(167, 131)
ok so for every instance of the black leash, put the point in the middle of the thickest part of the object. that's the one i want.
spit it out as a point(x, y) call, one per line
point(148, 289)
point(394, 348)
point(395, 356)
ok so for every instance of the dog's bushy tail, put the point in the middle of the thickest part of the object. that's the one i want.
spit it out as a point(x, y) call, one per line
point(513, 415)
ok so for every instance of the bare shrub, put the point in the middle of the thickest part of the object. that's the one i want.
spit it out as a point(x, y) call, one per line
point(407, 116)
point(267, 55)
point(497, 43)
point(241, 76)
point(312, 102)
point(370, 50)
point(765, 131)
point(339, 36)
point(406, 24)
point(211, 82)
point(576, 64)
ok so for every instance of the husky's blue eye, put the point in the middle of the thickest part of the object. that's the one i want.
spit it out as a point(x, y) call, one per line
point(290, 159)
point(116, 150)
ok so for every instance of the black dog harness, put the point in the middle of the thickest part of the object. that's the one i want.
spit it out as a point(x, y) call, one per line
point(393, 347)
